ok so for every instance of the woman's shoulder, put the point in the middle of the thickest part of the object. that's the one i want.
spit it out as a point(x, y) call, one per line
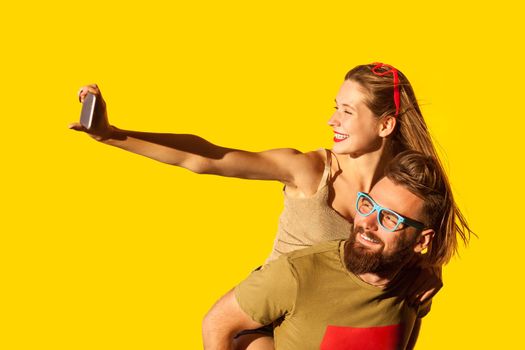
point(310, 169)
point(319, 156)
point(316, 160)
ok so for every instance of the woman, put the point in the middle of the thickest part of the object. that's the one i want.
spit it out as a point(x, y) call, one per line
point(376, 117)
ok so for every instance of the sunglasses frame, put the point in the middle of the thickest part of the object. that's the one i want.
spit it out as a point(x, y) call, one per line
point(400, 218)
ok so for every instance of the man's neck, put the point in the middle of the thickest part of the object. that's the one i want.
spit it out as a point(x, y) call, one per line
point(384, 278)
point(375, 279)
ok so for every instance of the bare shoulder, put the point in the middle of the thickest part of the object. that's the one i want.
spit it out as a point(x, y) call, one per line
point(312, 162)
point(308, 171)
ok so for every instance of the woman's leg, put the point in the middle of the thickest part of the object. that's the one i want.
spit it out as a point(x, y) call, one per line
point(253, 339)
point(253, 342)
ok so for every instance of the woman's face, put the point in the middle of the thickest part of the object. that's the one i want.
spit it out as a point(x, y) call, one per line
point(356, 128)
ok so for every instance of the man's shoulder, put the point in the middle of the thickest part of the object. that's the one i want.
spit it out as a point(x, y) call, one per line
point(326, 250)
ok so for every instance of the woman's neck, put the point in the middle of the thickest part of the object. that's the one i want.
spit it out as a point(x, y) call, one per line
point(365, 170)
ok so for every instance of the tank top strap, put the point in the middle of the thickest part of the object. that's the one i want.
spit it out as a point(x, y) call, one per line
point(327, 170)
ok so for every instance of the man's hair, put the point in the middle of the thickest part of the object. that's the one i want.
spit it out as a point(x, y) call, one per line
point(423, 176)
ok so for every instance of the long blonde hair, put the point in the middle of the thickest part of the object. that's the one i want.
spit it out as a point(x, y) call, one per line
point(411, 133)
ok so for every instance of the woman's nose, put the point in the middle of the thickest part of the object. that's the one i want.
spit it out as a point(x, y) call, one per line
point(334, 120)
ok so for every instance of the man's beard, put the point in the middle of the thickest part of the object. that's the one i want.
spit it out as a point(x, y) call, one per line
point(360, 259)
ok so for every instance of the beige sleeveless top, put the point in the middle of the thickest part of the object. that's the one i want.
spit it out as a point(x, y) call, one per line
point(310, 220)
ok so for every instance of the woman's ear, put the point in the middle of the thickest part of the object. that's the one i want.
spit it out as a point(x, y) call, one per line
point(387, 125)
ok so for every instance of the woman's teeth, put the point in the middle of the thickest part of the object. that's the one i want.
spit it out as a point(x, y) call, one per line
point(340, 137)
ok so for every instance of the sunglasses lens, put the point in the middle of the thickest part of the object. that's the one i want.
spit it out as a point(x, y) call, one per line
point(388, 219)
point(364, 205)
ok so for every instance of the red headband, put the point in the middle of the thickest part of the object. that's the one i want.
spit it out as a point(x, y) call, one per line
point(396, 80)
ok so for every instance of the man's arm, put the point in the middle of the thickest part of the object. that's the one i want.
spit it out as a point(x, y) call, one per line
point(223, 322)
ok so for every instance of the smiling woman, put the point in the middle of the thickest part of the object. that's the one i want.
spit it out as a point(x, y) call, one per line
point(355, 125)
point(376, 117)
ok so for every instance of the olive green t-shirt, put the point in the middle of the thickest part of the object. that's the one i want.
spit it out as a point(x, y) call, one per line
point(316, 303)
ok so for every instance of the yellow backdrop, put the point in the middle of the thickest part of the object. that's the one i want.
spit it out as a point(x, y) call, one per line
point(101, 249)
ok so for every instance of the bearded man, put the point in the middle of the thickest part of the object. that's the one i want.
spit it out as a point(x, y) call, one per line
point(350, 294)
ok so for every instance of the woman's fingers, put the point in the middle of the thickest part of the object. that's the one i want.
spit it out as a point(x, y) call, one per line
point(91, 88)
point(427, 295)
point(414, 293)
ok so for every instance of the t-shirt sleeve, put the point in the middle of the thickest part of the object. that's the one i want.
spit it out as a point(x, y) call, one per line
point(269, 293)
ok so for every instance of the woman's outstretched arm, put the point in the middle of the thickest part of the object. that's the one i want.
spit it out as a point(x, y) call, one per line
point(194, 153)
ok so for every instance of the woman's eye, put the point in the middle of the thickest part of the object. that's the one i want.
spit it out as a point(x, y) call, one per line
point(346, 112)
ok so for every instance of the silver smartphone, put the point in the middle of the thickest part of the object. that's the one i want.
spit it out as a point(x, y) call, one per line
point(88, 111)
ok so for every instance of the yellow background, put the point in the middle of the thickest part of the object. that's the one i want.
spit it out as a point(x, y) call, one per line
point(101, 249)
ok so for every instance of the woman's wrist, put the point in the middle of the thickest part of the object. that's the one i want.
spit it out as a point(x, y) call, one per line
point(113, 134)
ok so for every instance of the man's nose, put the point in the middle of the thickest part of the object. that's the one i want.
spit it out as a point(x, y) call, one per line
point(370, 222)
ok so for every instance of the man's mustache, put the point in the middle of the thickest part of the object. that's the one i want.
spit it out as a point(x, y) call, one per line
point(360, 229)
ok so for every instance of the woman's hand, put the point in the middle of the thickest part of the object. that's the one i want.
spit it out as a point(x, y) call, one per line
point(101, 130)
point(426, 284)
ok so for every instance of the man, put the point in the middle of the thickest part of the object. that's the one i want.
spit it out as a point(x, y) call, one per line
point(350, 294)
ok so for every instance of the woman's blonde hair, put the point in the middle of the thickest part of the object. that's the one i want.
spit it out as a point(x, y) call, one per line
point(411, 133)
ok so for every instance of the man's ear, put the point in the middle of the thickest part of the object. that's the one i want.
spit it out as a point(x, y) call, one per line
point(423, 241)
point(387, 125)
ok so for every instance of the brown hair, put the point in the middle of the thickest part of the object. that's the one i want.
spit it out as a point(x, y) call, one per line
point(423, 176)
point(422, 173)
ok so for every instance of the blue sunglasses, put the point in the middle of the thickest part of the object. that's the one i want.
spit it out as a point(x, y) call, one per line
point(387, 219)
